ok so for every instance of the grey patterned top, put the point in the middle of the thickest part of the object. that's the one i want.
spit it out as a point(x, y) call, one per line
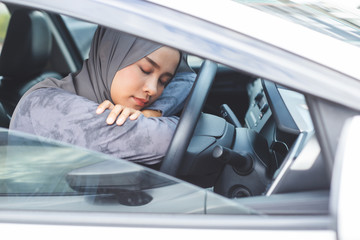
point(57, 114)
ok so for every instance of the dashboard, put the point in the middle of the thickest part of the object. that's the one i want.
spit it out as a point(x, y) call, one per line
point(277, 113)
point(266, 155)
point(282, 117)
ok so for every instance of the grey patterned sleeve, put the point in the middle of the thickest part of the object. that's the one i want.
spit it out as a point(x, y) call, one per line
point(173, 98)
point(59, 115)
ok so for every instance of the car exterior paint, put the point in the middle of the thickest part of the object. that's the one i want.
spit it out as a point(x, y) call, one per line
point(92, 233)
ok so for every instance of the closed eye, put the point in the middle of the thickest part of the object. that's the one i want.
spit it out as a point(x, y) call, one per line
point(163, 83)
point(145, 71)
point(165, 80)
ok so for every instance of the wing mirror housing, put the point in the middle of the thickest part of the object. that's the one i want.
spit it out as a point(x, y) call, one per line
point(127, 182)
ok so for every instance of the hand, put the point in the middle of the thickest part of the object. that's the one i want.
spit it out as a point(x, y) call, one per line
point(118, 112)
point(151, 113)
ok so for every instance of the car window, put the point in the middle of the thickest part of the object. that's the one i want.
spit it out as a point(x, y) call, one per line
point(36, 172)
point(82, 33)
point(4, 22)
point(194, 61)
point(41, 174)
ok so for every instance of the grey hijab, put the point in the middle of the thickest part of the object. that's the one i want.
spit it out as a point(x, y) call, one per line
point(110, 51)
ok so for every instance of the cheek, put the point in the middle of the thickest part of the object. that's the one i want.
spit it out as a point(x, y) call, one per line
point(118, 86)
point(124, 82)
point(132, 79)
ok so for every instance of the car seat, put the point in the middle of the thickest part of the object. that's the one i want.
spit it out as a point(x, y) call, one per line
point(25, 54)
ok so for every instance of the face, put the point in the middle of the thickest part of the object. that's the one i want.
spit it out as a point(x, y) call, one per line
point(141, 83)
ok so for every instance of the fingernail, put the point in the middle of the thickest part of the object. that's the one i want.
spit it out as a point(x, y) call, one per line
point(120, 121)
point(110, 120)
point(98, 111)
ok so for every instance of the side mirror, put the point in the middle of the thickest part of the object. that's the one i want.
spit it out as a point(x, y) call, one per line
point(120, 182)
point(124, 180)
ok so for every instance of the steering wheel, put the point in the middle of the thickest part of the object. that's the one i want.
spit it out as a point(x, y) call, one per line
point(189, 118)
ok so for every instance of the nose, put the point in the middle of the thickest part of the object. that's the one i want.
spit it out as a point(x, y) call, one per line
point(150, 86)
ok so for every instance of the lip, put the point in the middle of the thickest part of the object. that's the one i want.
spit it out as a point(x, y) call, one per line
point(140, 101)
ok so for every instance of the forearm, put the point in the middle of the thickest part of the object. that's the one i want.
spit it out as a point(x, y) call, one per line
point(174, 96)
point(72, 119)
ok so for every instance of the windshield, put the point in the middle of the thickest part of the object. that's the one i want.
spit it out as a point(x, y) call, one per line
point(337, 20)
point(40, 174)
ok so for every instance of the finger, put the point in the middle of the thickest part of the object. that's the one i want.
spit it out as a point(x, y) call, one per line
point(123, 116)
point(135, 115)
point(115, 112)
point(104, 105)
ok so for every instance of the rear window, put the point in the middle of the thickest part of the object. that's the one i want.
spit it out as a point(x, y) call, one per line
point(82, 33)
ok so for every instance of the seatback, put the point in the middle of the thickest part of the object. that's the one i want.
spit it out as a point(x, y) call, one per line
point(26, 51)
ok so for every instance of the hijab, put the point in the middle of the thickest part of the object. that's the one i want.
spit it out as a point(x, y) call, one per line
point(110, 51)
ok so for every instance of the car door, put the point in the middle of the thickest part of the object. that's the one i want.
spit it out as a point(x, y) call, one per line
point(74, 223)
point(344, 200)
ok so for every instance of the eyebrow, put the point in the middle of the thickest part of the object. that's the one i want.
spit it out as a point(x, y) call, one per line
point(152, 62)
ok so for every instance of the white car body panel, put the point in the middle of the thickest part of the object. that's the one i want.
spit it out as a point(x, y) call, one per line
point(274, 30)
point(21, 231)
point(345, 201)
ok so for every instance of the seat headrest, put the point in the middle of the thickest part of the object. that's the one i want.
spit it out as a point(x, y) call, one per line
point(27, 44)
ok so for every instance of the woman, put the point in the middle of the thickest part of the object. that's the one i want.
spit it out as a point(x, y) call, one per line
point(125, 74)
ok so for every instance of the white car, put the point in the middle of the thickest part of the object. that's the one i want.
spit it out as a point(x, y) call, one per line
point(266, 146)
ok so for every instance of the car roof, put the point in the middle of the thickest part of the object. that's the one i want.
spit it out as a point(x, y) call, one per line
point(252, 22)
point(232, 34)
point(274, 30)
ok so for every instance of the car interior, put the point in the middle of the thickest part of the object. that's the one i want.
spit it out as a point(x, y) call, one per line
point(249, 136)
point(24, 56)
